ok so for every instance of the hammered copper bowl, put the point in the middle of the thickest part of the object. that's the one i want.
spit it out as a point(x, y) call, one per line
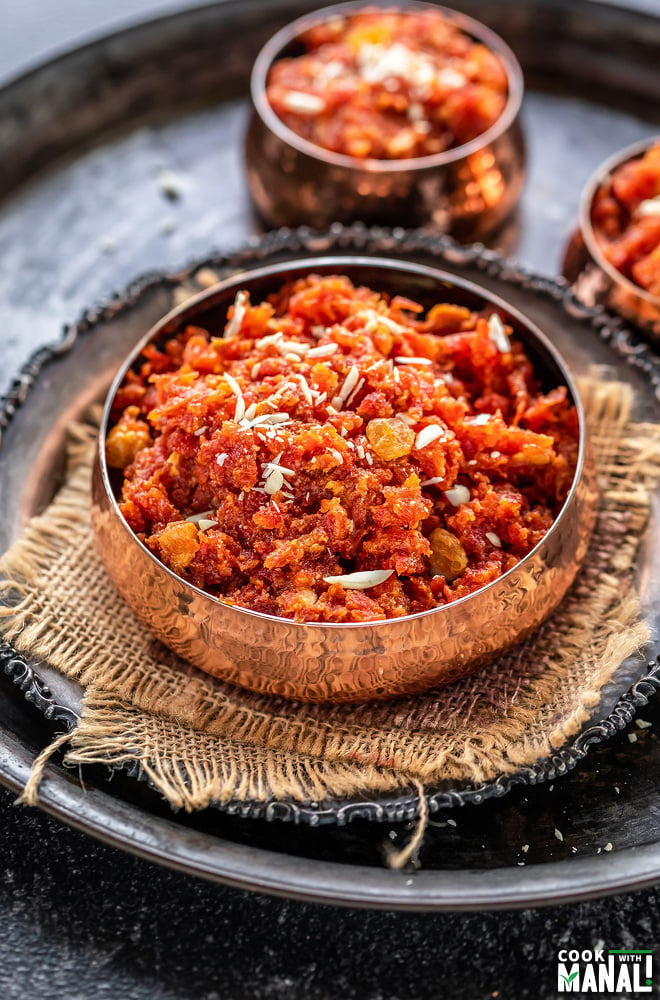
point(467, 191)
point(595, 281)
point(346, 662)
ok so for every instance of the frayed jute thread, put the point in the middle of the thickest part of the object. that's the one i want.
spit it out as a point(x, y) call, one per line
point(200, 741)
point(30, 794)
point(410, 853)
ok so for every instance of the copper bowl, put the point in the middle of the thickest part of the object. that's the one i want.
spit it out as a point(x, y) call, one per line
point(333, 661)
point(595, 281)
point(467, 191)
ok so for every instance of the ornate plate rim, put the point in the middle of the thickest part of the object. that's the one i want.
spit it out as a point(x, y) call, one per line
point(357, 237)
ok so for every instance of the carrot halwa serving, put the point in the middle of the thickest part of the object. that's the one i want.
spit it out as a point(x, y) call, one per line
point(625, 217)
point(388, 85)
point(339, 456)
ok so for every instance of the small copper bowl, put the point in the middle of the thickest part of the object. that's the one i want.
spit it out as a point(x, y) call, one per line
point(358, 661)
point(595, 281)
point(467, 191)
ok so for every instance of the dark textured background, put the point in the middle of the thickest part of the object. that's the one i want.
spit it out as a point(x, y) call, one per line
point(82, 921)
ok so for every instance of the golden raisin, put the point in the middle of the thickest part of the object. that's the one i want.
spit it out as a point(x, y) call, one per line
point(448, 557)
point(532, 454)
point(446, 316)
point(178, 544)
point(126, 439)
point(390, 438)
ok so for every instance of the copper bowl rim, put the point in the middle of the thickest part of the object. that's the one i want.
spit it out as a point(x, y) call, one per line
point(476, 29)
point(599, 175)
point(239, 280)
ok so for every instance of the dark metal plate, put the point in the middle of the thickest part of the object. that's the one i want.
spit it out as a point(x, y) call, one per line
point(105, 210)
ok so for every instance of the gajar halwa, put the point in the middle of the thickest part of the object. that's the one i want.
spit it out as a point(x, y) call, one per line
point(339, 456)
point(388, 85)
point(625, 218)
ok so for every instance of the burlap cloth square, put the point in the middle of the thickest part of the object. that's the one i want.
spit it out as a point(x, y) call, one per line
point(200, 741)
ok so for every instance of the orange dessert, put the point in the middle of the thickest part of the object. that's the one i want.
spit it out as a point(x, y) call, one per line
point(337, 456)
point(625, 217)
point(389, 85)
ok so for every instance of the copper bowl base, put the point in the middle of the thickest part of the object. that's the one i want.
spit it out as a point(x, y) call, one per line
point(326, 662)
